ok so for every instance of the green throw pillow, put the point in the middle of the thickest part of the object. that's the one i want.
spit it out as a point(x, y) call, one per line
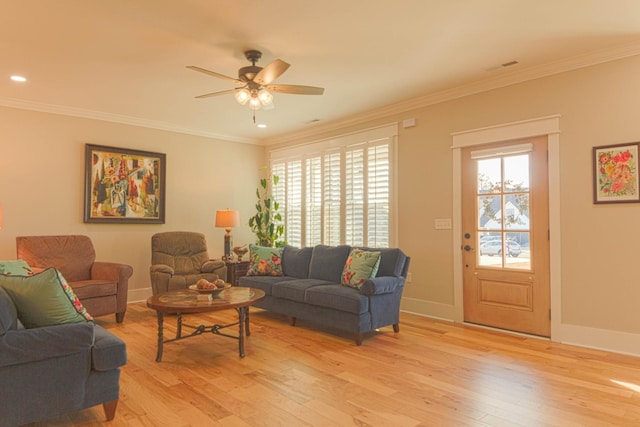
point(18, 267)
point(265, 261)
point(360, 266)
point(44, 299)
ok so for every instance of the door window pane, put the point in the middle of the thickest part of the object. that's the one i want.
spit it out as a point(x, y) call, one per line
point(503, 212)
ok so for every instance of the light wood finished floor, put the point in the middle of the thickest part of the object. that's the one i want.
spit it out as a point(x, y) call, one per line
point(432, 373)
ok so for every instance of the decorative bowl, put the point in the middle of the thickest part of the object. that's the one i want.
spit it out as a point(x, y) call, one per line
point(240, 251)
point(210, 291)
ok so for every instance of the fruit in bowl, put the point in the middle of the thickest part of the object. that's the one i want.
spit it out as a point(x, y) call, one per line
point(219, 283)
point(204, 284)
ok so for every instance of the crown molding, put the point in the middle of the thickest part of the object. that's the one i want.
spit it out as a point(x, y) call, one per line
point(484, 85)
point(116, 118)
point(494, 82)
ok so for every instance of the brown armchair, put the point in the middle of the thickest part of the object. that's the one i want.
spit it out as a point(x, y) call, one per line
point(101, 286)
point(179, 259)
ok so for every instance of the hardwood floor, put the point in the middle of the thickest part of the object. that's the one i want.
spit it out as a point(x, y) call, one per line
point(432, 373)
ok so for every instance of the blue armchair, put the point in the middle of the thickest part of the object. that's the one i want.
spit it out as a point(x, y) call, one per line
point(49, 371)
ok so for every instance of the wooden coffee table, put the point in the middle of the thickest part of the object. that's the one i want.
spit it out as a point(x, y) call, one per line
point(186, 302)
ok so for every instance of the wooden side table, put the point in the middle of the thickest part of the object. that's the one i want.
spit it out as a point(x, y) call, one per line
point(235, 270)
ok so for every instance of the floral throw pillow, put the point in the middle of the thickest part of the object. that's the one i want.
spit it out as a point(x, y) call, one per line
point(360, 266)
point(265, 261)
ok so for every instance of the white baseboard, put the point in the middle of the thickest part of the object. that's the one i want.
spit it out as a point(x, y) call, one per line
point(600, 339)
point(582, 336)
point(427, 308)
point(138, 295)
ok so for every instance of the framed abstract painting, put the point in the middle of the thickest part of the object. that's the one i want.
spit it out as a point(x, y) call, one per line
point(124, 185)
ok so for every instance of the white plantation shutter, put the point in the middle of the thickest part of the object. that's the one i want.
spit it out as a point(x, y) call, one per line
point(293, 203)
point(338, 191)
point(354, 200)
point(332, 202)
point(313, 202)
point(378, 196)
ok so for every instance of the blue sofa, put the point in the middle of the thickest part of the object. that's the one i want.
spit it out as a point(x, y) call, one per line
point(310, 289)
point(49, 371)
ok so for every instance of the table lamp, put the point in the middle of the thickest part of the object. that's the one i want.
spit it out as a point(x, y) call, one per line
point(227, 219)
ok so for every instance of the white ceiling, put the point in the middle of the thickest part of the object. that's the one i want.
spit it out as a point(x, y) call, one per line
point(124, 60)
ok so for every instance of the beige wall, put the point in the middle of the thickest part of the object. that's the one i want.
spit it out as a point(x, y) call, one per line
point(599, 284)
point(41, 188)
point(42, 185)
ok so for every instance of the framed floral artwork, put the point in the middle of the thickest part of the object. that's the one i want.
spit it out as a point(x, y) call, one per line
point(615, 175)
point(123, 185)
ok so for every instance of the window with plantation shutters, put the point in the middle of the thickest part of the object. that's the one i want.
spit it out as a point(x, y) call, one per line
point(339, 191)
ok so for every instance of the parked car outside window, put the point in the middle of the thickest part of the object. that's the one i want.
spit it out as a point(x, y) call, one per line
point(494, 247)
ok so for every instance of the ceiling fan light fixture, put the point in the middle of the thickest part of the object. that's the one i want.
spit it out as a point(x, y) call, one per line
point(254, 103)
point(242, 96)
point(265, 97)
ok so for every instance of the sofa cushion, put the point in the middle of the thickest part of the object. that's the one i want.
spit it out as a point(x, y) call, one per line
point(338, 297)
point(327, 262)
point(44, 299)
point(17, 267)
point(262, 282)
point(8, 313)
point(360, 266)
point(94, 288)
point(295, 261)
point(392, 261)
point(264, 261)
point(294, 290)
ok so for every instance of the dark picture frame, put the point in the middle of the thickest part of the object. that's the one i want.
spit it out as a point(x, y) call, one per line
point(615, 173)
point(124, 185)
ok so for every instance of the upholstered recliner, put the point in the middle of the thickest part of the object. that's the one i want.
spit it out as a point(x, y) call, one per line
point(101, 286)
point(179, 259)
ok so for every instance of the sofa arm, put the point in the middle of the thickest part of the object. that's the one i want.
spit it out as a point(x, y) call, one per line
point(31, 345)
point(381, 285)
point(211, 265)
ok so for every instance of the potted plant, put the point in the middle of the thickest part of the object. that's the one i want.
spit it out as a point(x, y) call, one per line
point(267, 222)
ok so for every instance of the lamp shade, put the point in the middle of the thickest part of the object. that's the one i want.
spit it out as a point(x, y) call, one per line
point(227, 218)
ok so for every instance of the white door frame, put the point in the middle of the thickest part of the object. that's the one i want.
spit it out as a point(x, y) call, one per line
point(549, 126)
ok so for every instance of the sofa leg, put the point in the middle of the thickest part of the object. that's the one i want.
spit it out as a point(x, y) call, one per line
point(292, 321)
point(396, 327)
point(119, 317)
point(359, 339)
point(110, 409)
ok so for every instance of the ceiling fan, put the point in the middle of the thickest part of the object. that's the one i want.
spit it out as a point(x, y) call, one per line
point(256, 87)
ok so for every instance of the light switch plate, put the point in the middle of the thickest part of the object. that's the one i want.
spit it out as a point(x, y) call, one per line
point(443, 224)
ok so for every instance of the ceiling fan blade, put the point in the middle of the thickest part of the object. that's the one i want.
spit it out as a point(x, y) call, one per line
point(296, 89)
point(214, 74)
point(222, 92)
point(271, 72)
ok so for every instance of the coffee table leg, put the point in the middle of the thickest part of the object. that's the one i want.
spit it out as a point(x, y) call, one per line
point(179, 326)
point(160, 335)
point(242, 314)
point(246, 323)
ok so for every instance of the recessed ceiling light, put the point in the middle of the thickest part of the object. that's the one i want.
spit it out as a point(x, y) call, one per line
point(261, 125)
point(20, 79)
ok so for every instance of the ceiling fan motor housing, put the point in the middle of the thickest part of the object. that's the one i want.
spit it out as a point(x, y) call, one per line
point(247, 74)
